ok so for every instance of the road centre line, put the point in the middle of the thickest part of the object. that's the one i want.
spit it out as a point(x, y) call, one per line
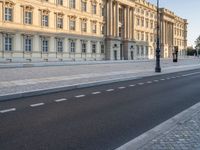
point(8, 110)
point(94, 93)
point(122, 87)
point(141, 83)
point(60, 100)
point(79, 96)
point(37, 104)
point(110, 90)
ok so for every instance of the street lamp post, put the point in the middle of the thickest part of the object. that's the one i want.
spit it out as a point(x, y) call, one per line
point(158, 68)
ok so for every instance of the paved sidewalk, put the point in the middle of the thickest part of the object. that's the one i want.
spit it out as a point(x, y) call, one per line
point(20, 82)
point(181, 132)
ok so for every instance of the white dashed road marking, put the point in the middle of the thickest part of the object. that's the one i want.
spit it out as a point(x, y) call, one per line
point(155, 80)
point(132, 85)
point(121, 87)
point(36, 105)
point(60, 100)
point(141, 83)
point(94, 93)
point(162, 79)
point(110, 90)
point(7, 110)
point(149, 82)
point(79, 96)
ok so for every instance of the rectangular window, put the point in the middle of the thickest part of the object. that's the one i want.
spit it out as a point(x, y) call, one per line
point(120, 32)
point(138, 21)
point(94, 28)
point(45, 20)
point(28, 17)
point(8, 43)
point(120, 15)
point(45, 45)
point(59, 2)
point(72, 25)
point(59, 45)
point(72, 4)
point(59, 22)
point(27, 44)
point(8, 14)
point(102, 11)
point(102, 48)
point(94, 9)
point(93, 47)
point(142, 50)
point(83, 46)
point(84, 6)
point(138, 50)
point(103, 29)
point(147, 37)
point(72, 46)
point(83, 26)
point(142, 22)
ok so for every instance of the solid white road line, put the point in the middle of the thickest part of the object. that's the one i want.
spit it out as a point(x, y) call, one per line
point(189, 74)
point(79, 96)
point(60, 100)
point(122, 87)
point(110, 90)
point(94, 93)
point(7, 110)
point(37, 104)
point(132, 85)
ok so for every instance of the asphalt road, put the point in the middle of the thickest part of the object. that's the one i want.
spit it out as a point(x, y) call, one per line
point(97, 118)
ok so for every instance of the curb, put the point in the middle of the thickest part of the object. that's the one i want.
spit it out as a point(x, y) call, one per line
point(84, 85)
point(142, 140)
point(65, 63)
point(63, 88)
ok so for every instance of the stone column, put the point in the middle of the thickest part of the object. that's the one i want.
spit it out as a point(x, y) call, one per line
point(128, 22)
point(125, 23)
point(117, 19)
point(133, 23)
point(18, 42)
point(65, 45)
point(111, 17)
point(52, 47)
point(1, 10)
point(36, 43)
point(114, 20)
point(107, 19)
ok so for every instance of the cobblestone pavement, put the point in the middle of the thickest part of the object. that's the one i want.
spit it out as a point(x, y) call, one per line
point(184, 136)
point(22, 80)
point(181, 132)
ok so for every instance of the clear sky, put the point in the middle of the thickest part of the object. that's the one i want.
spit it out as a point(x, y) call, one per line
point(187, 9)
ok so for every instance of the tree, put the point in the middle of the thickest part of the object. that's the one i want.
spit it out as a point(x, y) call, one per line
point(197, 47)
point(197, 42)
point(191, 51)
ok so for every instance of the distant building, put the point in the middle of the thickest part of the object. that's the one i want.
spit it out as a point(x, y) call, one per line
point(59, 30)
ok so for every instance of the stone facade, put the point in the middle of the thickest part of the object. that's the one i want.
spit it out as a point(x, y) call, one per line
point(61, 30)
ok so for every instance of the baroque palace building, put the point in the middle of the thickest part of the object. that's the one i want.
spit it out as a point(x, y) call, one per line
point(61, 30)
